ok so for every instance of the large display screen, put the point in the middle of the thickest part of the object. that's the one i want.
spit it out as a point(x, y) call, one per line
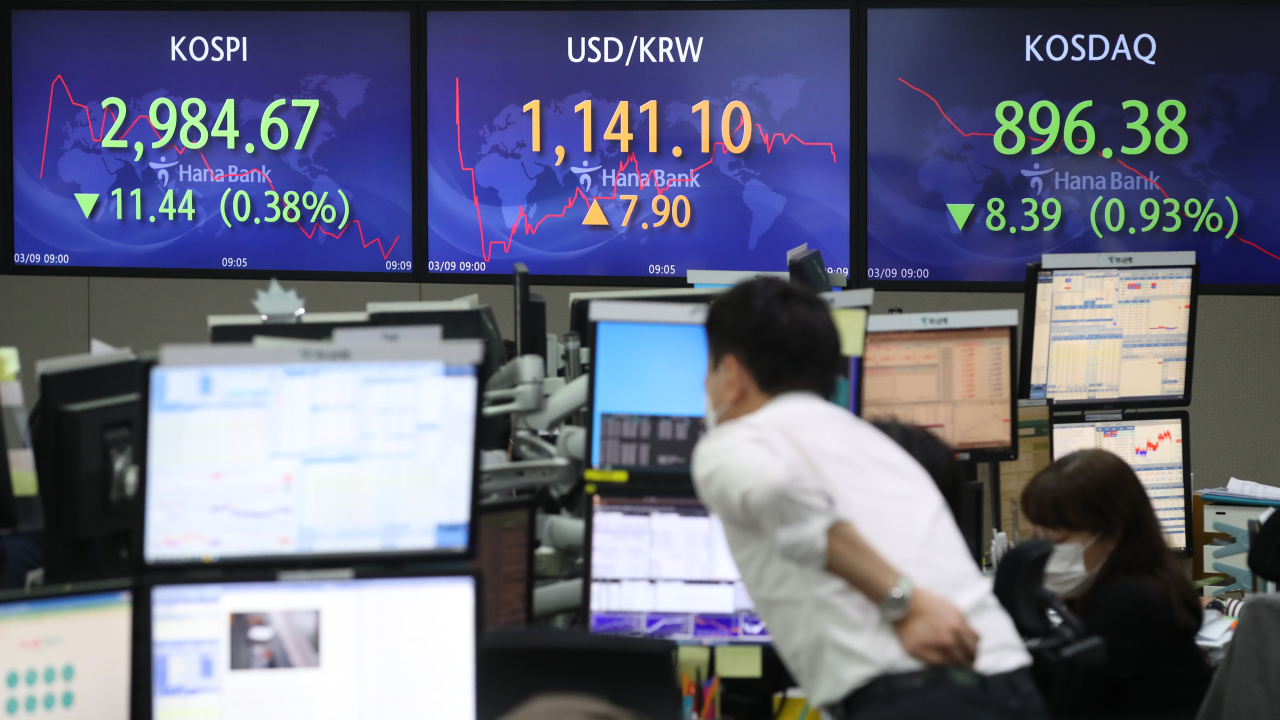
point(309, 459)
point(385, 648)
point(637, 143)
point(213, 141)
point(996, 135)
point(661, 567)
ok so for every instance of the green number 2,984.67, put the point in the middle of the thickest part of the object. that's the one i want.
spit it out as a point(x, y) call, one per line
point(163, 116)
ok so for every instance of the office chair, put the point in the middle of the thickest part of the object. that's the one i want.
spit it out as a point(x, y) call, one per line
point(1264, 549)
point(637, 674)
point(1067, 660)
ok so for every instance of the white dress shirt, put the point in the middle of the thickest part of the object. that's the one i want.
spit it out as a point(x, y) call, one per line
point(779, 478)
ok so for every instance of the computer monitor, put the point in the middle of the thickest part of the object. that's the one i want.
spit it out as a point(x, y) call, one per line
point(311, 326)
point(306, 453)
point(1110, 330)
point(88, 434)
point(660, 567)
point(345, 648)
point(8, 493)
point(530, 316)
point(949, 372)
point(807, 270)
point(507, 531)
point(1035, 453)
point(67, 652)
point(1157, 446)
point(646, 398)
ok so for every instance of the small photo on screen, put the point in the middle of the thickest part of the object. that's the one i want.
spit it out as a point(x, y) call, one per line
point(276, 639)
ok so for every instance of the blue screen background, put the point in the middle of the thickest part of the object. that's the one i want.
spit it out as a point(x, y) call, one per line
point(647, 369)
point(791, 68)
point(356, 63)
point(1222, 63)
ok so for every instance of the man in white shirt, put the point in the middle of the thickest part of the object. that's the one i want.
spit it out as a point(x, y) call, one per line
point(845, 544)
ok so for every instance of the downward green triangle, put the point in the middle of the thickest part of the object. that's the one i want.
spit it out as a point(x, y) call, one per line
point(960, 213)
point(88, 200)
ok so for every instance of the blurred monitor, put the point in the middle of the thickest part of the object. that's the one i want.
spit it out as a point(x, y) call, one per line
point(459, 320)
point(660, 567)
point(1035, 453)
point(531, 316)
point(647, 398)
point(1157, 447)
point(67, 653)
point(1106, 336)
point(8, 489)
point(949, 372)
point(505, 556)
point(310, 326)
point(377, 648)
point(311, 452)
point(807, 270)
point(580, 302)
point(88, 435)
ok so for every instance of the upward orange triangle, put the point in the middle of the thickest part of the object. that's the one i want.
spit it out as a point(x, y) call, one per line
point(595, 216)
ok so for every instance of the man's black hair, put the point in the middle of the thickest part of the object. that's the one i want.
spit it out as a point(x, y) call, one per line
point(781, 332)
point(938, 459)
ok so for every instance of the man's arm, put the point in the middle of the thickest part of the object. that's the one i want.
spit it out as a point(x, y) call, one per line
point(934, 631)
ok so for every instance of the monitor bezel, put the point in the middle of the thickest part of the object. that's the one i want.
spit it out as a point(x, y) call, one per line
point(684, 491)
point(975, 454)
point(417, 105)
point(643, 281)
point(647, 476)
point(390, 558)
point(1056, 419)
point(143, 652)
point(1115, 404)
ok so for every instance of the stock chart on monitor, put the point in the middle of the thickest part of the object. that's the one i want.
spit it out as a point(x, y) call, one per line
point(637, 143)
point(1111, 334)
point(309, 459)
point(1153, 448)
point(660, 567)
point(997, 135)
point(957, 383)
point(213, 141)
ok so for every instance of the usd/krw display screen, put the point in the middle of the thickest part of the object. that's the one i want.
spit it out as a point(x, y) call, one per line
point(638, 144)
point(268, 141)
point(996, 135)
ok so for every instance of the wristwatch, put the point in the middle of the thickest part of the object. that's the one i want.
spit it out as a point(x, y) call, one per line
point(897, 602)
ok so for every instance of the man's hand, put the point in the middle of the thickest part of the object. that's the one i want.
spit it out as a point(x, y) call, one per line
point(935, 632)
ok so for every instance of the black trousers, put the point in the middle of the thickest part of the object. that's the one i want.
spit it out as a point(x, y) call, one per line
point(946, 694)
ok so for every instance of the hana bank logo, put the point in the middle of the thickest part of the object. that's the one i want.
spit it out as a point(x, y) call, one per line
point(1037, 182)
point(162, 171)
point(584, 175)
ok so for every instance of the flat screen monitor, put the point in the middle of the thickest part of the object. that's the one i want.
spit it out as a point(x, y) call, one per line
point(660, 567)
point(647, 398)
point(214, 142)
point(580, 302)
point(1157, 447)
point(1035, 453)
point(386, 647)
point(996, 134)
point(259, 453)
point(1109, 336)
point(312, 326)
point(67, 654)
point(711, 139)
point(949, 372)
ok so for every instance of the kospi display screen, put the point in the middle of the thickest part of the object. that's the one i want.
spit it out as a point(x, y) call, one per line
point(996, 135)
point(637, 144)
point(209, 142)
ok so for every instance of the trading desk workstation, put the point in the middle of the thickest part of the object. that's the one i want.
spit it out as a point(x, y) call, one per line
point(446, 507)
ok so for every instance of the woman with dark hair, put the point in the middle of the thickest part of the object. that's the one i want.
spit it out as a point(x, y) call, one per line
point(1111, 563)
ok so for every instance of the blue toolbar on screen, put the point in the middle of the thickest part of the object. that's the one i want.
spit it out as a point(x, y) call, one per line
point(637, 143)
point(193, 140)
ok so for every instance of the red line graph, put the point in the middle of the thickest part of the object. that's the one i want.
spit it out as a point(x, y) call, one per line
point(386, 252)
point(1122, 163)
point(1153, 446)
point(647, 178)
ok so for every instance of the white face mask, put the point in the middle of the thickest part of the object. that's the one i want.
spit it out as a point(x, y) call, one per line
point(712, 417)
point(1065, 574)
